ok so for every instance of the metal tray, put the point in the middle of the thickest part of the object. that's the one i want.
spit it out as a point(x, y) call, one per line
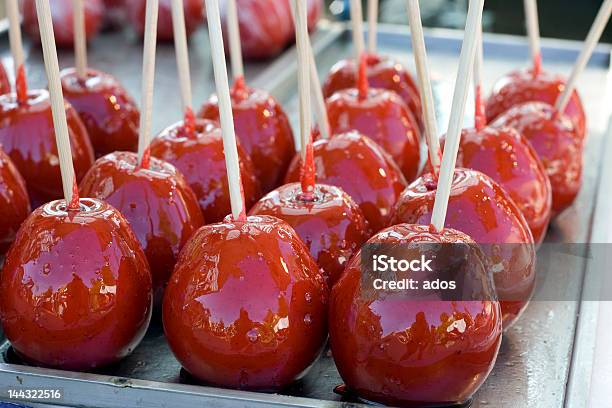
point(545, 359)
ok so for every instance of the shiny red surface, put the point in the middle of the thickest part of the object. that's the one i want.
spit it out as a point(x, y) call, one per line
point(332, 226)
point(382, 72)
point(162, 210)
point(76, 287)
point(520, 86)
point(479, 207)
point(246, 306)
point(5, 85)
point(263, 130)
point(108, 112)
point(398, 350)
point(509, 159)
point(384, 118)
point(62, 17)
point(556, 141)
point(201, 160)
point(28, 137)
point(14, 202)
point(193, 10)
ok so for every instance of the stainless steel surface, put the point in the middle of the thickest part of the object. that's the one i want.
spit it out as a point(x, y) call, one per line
point(538, 354)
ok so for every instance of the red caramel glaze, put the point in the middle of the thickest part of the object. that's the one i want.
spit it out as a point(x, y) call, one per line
point(5, 85)
point(399, 350)
point(555, 139)
point(384, 118)
point(331, 225)
point(382, 72)
point(76, 287)
point(157, 202)
point(509, 159)
point(263, 130)
point(193, 11)
point(107, 111)
point(479, 207)
point(62, 17)
point(14, 202)
point(246, 306)
point(28, 137)
point(201, 160)
point(359, 166)
point(520, 86)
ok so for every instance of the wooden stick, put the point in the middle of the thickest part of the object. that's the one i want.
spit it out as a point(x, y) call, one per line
point(480, 118)
point(357, 23)
point(235, 47)
point(533, 32)
point(424, 81)
point(603, 16)
point(148, 79)
point(453, 135)
point(182, 53)
point(43, 10)
point(12, 11)
point(372, 25)
point(301, 33)
point(80, 39)
point(225, 109)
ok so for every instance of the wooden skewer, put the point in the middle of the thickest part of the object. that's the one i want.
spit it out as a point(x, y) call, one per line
point(533, 32)
point(182, 53)
point(480, 118)
point(453, 135)
point(148, 79)
point(603, 16)
point(43, 10)
point(424, 80)
point(372, 25)
point(12, 11)
point(235, 47)
point(357, 23)
point(225, 109)
point(301, 33)
point(80, 39)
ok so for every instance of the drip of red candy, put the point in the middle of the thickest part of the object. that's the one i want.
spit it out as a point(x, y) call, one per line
point(21, 85)
point(362, 77)
point(307, 173)
point(189, 123)
point(74, 202)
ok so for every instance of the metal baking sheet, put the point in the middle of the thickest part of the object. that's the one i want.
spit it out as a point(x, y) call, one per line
point(538, 355)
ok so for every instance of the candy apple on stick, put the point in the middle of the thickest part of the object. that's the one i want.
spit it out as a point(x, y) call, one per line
point(63, 304)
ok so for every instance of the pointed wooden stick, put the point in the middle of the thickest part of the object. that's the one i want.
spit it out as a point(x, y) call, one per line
point(480, 118)
point(357, 23)
point(12, 11)
point(451, 146)
point(422, 66)
point(372, 25)
point(533, 33)
point(80, 39)
point(148, 79)
point(182, 54)
point(43, 10)
point(301, 32)
point(235, 47)
point(225, 110)
point(603, 16)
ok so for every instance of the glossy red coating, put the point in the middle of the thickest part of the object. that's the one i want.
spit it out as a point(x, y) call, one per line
point(62, 17)
point(556, 141)
point(5, 85)
point(193, 10)
point(509, 159)
point(28, 137)
point(246, 306)
point(382, 72)
point(108, 112)
point(383, 117)
point(263, 130)
point(201, 159)
point(76, 287)
point(359, 166)
point(162, 210)
point(520, 86)
point(399, 350)
point(14, 202)
point(331, 225)
point(482, 209)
